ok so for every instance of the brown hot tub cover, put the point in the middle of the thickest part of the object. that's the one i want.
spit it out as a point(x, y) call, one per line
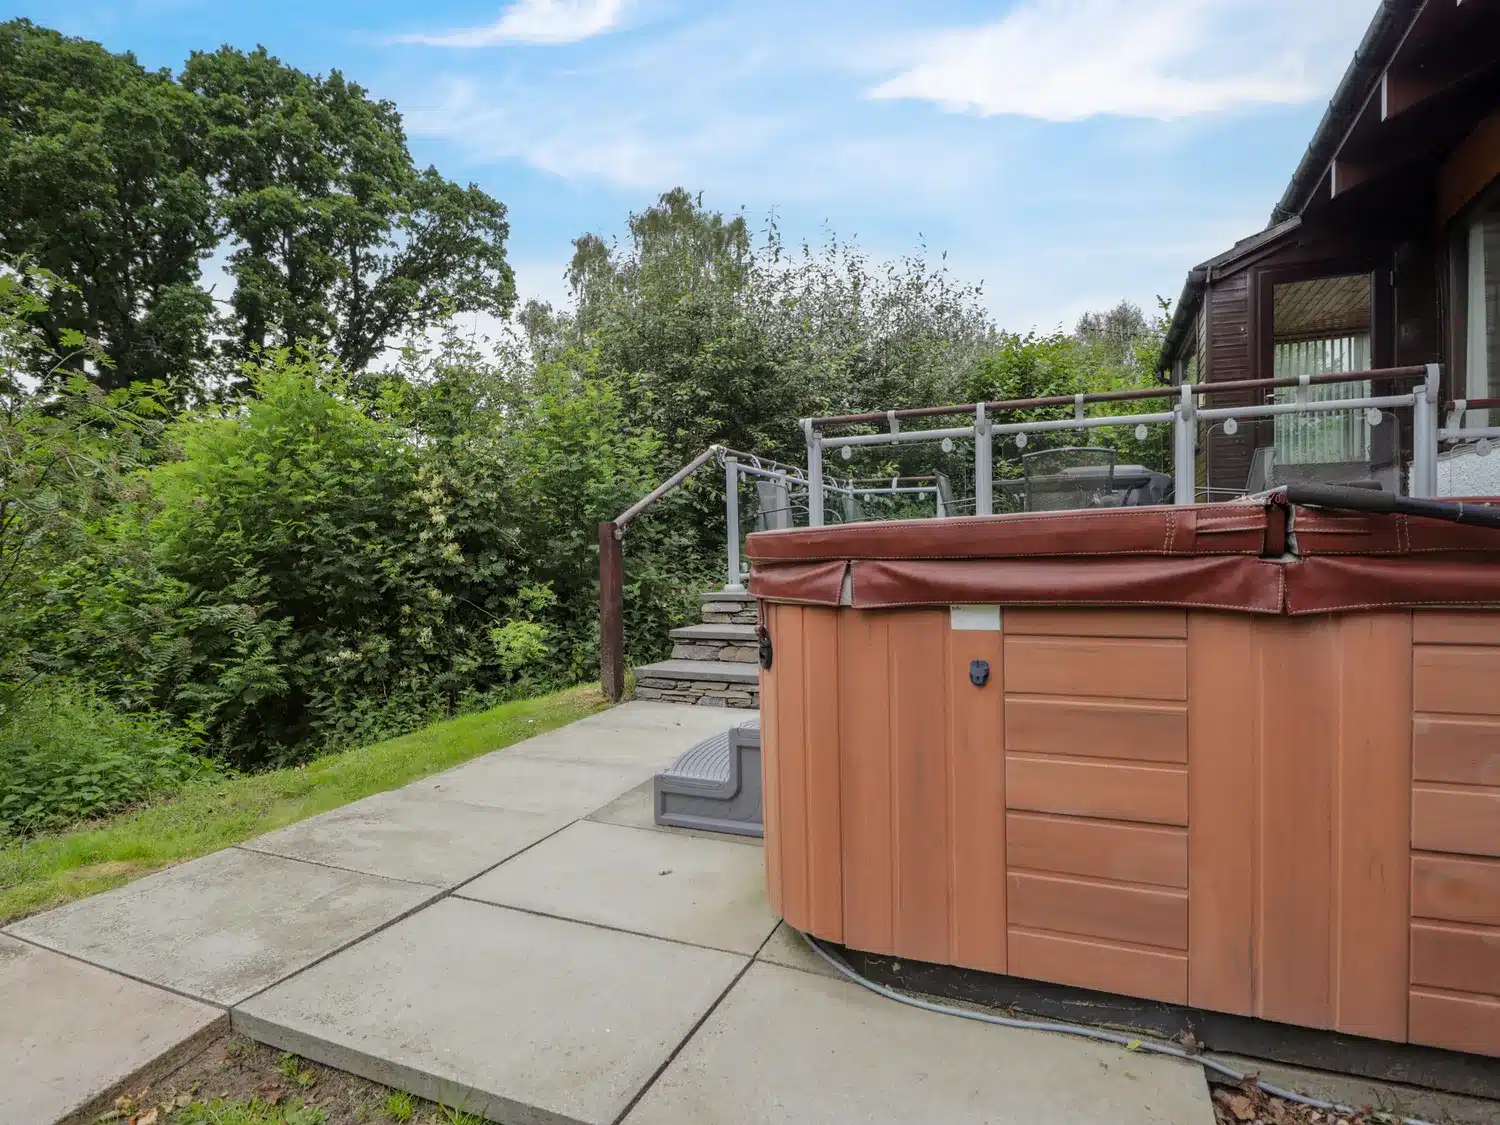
point(1267, 558)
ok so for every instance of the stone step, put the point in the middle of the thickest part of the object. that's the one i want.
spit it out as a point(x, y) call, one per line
point(716, 653)
point(731, 644)
point(710, 671)
point(720, 608)
point(740, 634)
point(727, 596)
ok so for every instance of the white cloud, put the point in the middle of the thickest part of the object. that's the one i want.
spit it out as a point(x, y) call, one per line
point(593, 141)
point(1067, 60)
point(534, 21)
point(640, 136)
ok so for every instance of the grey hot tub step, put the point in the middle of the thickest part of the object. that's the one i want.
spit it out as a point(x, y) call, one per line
point(715, 785)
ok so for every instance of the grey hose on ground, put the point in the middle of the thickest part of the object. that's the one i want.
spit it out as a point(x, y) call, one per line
point(1099, 1034)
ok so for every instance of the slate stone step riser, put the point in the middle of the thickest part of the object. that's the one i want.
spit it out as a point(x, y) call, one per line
point(727, 651)
point(727, 617)
point(701, 693)
point(717, 610)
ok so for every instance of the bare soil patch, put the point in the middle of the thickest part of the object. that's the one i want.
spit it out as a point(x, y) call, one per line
point(236, 1081)
point(1249, 1105)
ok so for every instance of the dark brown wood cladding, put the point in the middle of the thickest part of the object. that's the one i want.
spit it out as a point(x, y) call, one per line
point(1229, 327)
point(1229, 349)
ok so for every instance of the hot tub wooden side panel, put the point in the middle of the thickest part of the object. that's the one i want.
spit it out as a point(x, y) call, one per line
point(887, 749)
point(1455, 859)
point(1096, 769)
point(1299, 829)
point(800, 779)
point(924, 762)
point(1294, 819)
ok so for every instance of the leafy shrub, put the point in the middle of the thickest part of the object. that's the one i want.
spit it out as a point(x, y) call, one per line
point(314, 559)
point(67, 755)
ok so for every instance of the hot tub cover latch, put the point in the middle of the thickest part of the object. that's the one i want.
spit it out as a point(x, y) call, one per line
point(979, 672)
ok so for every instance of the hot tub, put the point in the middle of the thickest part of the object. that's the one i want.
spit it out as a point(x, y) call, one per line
point(1242, 757)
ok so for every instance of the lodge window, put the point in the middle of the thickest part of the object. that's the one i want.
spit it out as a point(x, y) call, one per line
point(1482, 332)
point(1320, 327)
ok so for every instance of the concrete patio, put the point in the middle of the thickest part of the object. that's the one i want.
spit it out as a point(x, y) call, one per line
point(515, 937)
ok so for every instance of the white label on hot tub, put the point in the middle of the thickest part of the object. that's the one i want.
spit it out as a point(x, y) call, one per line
point(975, 617)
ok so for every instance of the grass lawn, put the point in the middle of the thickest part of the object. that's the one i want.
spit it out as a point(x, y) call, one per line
point(47, 871)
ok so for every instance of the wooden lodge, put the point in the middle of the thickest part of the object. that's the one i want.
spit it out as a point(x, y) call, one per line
point(1383, 252)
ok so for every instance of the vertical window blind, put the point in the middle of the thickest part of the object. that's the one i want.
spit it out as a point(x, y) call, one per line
point(1335, 435)
point(1482, 359)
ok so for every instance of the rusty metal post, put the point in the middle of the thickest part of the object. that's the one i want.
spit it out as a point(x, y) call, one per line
point(611, 613)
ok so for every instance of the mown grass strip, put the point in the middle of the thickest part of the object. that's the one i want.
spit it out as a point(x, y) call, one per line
point(47, 871)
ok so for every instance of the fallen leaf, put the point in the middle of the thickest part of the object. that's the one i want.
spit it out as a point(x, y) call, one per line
point(147, 1118)
point(182, 1101)
point(1241, 1108)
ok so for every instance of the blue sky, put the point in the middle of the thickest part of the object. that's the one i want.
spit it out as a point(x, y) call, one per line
point(1066, 153)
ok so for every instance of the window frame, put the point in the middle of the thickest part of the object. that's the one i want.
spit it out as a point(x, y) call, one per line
point(1458, 237)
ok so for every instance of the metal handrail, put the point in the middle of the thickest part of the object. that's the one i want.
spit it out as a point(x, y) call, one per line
point(1455, 430)
point(665, 487)
point(1184, 418)
point(1198, 389)
point(612, 577)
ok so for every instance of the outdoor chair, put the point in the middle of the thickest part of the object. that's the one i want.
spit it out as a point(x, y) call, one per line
point(1068, 477)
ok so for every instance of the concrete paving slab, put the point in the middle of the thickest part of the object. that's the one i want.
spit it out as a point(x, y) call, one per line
point(788, 948)
point(788, 1046)
point(637, 809)
point(705, 892)
point(640, 734)
point(73, 1033)
point(504, 780)
point(223, 927)
point(404, 836)
point(524, 1019)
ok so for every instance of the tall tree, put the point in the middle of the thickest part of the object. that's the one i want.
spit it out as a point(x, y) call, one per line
point(337, 236)
point(100, 188)
point(671, 318)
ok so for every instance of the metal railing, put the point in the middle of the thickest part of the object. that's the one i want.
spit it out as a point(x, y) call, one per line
point(1185, 417)
point(737, 465)
point(812, 487)
point(1453, 427)
point(612, 577)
